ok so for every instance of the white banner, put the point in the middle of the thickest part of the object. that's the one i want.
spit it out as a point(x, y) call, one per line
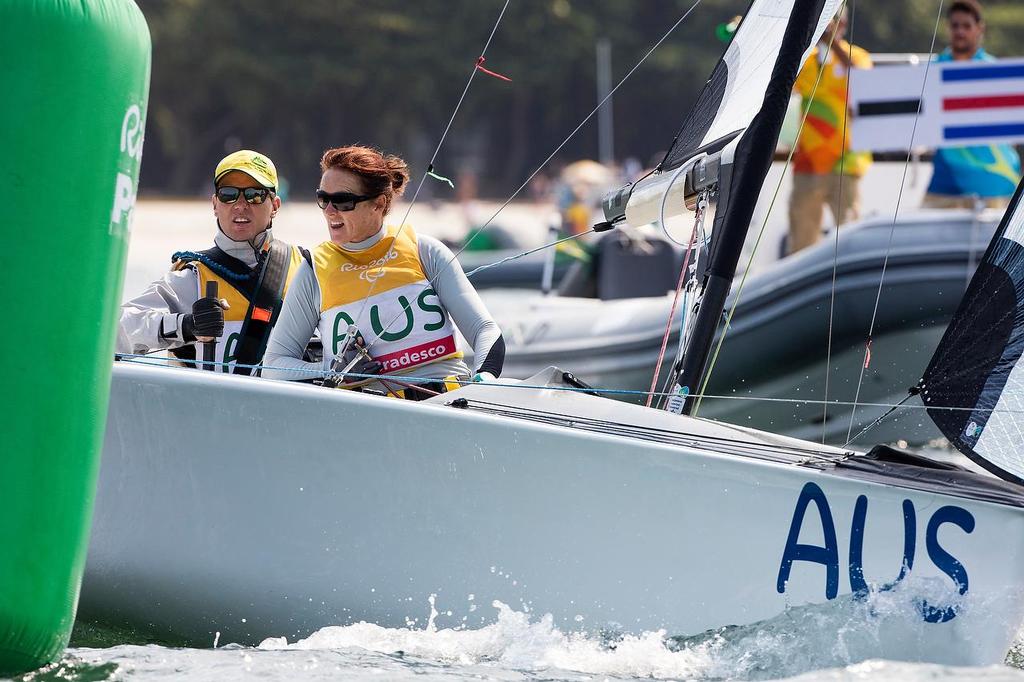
point(962, 103)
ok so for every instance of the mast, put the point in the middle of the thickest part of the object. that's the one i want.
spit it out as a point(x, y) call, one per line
point(726, 145)
point(739, 189)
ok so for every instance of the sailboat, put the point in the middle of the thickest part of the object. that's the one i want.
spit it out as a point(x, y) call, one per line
point(243, 508)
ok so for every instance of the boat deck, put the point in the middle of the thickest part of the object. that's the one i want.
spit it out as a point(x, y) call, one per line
point(570, 407)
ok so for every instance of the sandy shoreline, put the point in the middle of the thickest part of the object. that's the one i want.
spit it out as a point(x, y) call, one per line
point(162, 226)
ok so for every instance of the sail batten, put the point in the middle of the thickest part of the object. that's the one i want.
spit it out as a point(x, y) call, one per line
point(973, 387)
point(737, 91)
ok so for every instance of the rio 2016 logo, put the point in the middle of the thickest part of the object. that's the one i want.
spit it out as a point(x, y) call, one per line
point(373, 270)
point(132, 134)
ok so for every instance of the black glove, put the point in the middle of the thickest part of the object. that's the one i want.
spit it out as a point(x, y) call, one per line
point(364, 365)
point(207, 319)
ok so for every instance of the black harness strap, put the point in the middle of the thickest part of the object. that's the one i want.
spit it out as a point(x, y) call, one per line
point(243, 284)
point(264, 307)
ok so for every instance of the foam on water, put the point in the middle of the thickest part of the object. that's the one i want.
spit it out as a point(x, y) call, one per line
point(518, 642)
point(818, 642)
point(823, 636)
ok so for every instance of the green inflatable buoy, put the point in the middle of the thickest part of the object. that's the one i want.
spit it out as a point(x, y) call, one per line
point(75, 81)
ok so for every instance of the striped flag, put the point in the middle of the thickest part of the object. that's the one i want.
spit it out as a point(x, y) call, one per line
point(963, 103)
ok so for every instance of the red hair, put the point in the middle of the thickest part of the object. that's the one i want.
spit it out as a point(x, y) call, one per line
point(381, 174)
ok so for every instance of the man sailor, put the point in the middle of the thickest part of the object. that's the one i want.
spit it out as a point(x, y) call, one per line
point(251, 268)
point(985, 174)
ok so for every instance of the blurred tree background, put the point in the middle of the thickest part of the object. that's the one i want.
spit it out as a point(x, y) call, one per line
point(291, 79)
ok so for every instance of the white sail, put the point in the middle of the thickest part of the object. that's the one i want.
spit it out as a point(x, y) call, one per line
point(738, 87)
point(737, 91)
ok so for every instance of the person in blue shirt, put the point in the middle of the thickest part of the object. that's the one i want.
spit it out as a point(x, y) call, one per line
point(963, 175)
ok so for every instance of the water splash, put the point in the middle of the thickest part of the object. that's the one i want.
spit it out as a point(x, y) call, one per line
point(821, 636)
point(840, 633)
point(73, 669)
point(818, 642)
point(516, 642)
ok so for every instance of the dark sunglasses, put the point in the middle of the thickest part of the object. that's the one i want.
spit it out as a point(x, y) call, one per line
point(341, 201)
point(253, 195)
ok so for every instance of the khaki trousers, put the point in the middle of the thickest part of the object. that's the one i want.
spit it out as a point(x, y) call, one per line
point(811, 193)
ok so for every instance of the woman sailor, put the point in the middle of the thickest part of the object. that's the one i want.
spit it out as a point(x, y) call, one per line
point(400, 290)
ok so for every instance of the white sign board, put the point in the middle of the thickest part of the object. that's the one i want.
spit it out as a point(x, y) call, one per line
point(962, 103)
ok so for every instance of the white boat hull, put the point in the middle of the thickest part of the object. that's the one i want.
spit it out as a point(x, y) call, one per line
point(253, 508)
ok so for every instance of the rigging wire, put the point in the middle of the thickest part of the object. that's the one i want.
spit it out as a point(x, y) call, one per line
point(686, 318)
point(882, 417)
point(698, 220)
point(838, 219)
point(572, 134)
point(166, 362)
point(545, 162)
point(777, 451)
point(757, 243)
point(528, 252)
point(427, 173)
point(892, 228)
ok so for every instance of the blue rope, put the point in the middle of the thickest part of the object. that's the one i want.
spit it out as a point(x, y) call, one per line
point(164, 362)
point(222, 271)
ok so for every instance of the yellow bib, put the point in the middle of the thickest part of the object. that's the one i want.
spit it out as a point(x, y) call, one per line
point(384, 291)
point(234, 316)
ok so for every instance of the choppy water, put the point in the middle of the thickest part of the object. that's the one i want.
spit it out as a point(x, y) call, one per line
point(809, 643)
point(817, 642)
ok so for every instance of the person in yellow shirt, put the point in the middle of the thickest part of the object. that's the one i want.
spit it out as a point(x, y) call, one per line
point(825, 169)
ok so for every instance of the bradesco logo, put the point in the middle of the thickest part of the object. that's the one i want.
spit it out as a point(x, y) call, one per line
point(373, 270)
point(418, 355)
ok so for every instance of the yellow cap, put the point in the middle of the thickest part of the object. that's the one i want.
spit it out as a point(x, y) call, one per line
point(257, 166)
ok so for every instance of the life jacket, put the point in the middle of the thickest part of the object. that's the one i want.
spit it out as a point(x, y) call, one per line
point(254, 297)
point(384, 291)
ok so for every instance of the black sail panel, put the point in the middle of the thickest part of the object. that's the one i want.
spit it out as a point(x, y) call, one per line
point(734, 94)
point(741, 88)
point(974, 385)
point(698, 122)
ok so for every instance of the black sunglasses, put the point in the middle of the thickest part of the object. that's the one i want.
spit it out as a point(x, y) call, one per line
point(253, 195)
point(341, 201)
